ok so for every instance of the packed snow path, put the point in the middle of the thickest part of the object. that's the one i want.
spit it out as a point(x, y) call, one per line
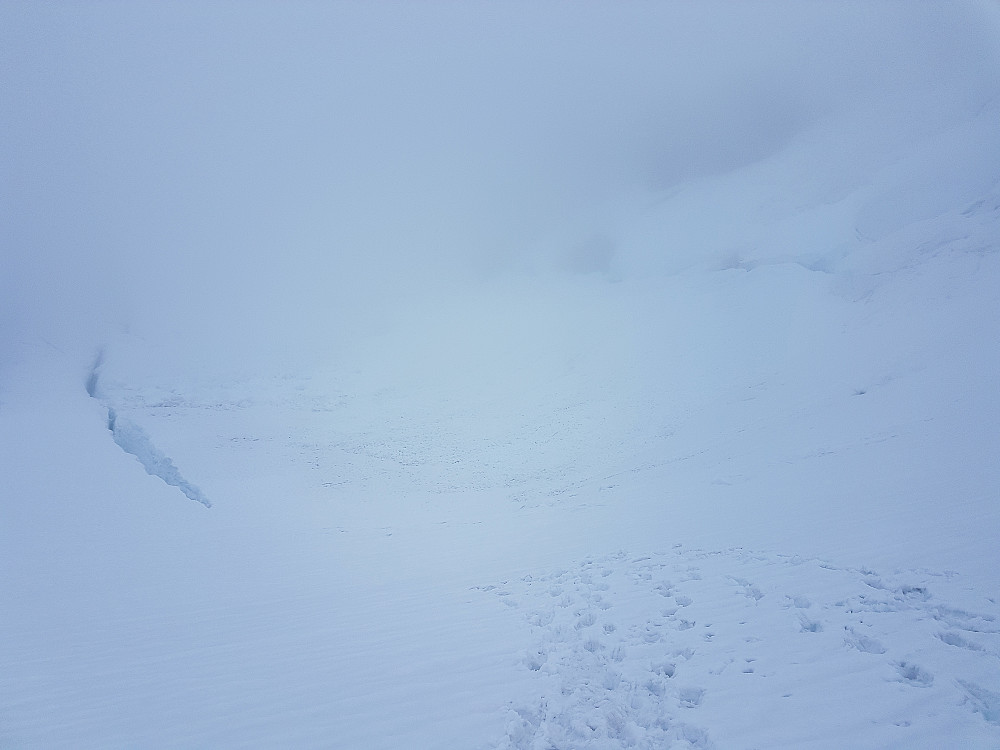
point(734, 649)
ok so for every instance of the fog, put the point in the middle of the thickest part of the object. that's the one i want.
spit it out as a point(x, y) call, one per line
point(248, 181)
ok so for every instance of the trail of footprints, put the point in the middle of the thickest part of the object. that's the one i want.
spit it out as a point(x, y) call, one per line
point(628, 649)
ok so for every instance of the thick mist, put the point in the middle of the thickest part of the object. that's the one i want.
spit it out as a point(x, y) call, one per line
point(256, 183)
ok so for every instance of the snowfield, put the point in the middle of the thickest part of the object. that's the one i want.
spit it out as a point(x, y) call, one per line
point(713, 467)
point(745, 554)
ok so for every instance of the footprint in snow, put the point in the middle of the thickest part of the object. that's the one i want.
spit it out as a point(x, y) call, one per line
point(985, 702)
point(807, 625)
point(954, 639)
point(863, 643)
point(749, 590)
point(690, 697)
point(535, 660)
point(585, 621)
point(911, 674)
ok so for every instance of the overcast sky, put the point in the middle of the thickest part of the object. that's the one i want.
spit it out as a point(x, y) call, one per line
point(226, 167)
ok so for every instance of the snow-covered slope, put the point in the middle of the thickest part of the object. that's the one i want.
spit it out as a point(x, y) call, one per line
point(729, 508)
point(711, 465)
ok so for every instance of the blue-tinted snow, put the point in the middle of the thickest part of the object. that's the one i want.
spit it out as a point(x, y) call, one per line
point(570, 377)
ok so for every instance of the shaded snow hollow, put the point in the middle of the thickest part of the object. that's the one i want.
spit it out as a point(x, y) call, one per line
point(132, 439)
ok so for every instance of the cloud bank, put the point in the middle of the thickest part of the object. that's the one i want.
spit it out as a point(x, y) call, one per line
point(274, 177)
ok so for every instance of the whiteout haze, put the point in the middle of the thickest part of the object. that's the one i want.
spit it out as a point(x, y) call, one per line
point(464, 375)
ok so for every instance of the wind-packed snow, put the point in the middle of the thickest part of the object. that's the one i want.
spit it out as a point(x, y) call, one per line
point(557, 380)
